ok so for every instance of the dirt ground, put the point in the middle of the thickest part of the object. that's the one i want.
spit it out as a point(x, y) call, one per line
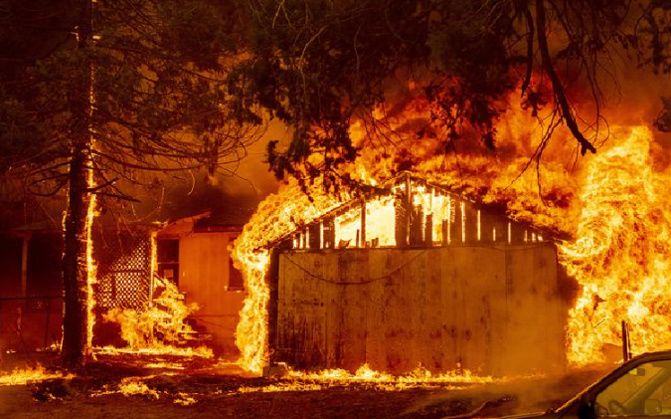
point(169, 388)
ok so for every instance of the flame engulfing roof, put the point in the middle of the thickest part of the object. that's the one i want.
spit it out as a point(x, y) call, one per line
point(385, 215)
point(425, 212)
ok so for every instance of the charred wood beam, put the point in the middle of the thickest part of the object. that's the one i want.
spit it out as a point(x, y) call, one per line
point(363, 223)
point(417, 226)
point(401, 221)
point(457, 226)
point(428, 230)
point(408, 206)
point(329, 232)
point(445, 232)
point(315, 233)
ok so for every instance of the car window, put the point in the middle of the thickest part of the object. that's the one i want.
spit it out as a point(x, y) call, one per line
point(642, 391)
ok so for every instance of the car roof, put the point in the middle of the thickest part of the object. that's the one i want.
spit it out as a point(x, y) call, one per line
point(656, 354)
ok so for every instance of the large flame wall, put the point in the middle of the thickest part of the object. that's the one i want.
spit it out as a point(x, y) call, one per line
point(613, 205)
point(621, 253)
point(275, 217)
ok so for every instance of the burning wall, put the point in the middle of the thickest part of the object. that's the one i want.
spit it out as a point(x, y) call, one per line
point(445, 308)
point(324, 307)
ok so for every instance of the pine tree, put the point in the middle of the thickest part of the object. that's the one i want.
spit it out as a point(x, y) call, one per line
point(125, 88)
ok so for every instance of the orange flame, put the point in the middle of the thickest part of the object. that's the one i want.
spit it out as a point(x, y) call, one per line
point(30, 375)
point(91, 265)
point(275, 217)
point(615, 207)
point(620, 257)
point(155, 330)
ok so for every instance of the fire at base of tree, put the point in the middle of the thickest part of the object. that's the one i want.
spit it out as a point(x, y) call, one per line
point(160, 329)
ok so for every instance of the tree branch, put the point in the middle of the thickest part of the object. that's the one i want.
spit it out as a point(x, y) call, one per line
point(557, 87)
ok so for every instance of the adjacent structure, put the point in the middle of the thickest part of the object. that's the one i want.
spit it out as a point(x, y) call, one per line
point(191, 251)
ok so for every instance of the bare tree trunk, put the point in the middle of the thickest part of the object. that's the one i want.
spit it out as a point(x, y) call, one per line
point(76, 321)
point(75, 269)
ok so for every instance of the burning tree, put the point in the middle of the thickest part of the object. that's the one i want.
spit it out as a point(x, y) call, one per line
point(122, 88)
point(322, 66)
point(469, 94)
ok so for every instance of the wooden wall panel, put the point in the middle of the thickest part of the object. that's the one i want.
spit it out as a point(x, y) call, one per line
point(353, 271)
point(475, 272)
point(376, 309)
point(435, 320)
point(533, 303)
point(451, 311)
point(498, 311)
point(397, 320)
point(422, 347)
point(493, 310)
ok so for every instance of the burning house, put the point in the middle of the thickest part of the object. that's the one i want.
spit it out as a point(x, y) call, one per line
point(412, 274)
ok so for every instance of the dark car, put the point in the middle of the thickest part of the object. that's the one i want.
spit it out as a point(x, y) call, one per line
point(641, 387)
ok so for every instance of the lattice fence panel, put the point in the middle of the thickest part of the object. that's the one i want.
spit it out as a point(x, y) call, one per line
point(124, 269)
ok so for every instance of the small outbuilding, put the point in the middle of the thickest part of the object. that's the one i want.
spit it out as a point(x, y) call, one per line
point(411, 275)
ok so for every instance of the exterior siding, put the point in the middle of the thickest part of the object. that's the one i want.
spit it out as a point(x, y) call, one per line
point(204, 277)
point(490, 309)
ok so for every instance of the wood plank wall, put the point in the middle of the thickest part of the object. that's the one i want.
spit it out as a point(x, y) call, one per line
point(492, 310)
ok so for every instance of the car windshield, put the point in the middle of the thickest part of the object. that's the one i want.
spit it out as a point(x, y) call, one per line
point(644, 390)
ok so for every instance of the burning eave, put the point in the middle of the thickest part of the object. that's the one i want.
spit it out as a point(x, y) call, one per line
point(416, 214)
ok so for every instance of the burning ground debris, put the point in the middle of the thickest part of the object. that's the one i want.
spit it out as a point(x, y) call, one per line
point(174, 381)
point(22, 376)
point(160, 329)
point(418, 377)
point(132, 385)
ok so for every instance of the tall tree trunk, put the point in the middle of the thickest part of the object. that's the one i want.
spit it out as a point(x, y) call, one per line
point(75, 264)
point(77, 229)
